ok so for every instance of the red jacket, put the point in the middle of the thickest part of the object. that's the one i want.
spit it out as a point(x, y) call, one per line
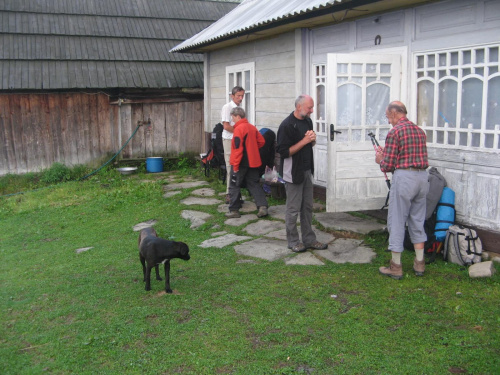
point(245, 146)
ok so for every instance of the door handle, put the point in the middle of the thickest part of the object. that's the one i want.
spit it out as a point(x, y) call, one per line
point(332, 132)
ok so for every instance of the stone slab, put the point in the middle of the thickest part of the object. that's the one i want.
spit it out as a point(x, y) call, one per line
point(190, 201)
point(204, 192)
point(246, 207)
point(241, 220)
point(223, 241)
point(197, 218)
point(277, 212)
point(184, 185)
point(320, 235)
point(144, 224)
point(262, 227)
point(304, 259)
point(171, 193)
point(264, 249)
point(346, 250)
point(342, 221)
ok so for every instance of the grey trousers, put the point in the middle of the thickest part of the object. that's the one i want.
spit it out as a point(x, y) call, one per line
point(299, 201)
point(250, 179)
point(407, 204)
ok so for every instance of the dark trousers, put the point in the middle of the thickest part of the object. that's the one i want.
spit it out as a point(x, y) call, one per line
point(249, 178)
point(299, 202)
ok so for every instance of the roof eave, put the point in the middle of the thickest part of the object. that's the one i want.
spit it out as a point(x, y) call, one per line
point(336, 13)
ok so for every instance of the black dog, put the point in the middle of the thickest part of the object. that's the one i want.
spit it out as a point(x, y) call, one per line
point(154, 250)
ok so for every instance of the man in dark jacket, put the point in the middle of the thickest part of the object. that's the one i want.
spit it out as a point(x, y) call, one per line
point(296, 139)
point(245, 162)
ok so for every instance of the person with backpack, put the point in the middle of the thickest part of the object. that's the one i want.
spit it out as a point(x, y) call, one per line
point(245, 163)
point(405, 155)
point(237, 95)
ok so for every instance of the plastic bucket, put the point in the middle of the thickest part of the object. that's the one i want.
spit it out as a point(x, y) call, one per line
point(154, 164)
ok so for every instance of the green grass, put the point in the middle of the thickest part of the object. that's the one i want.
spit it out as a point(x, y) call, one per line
point(88, 313)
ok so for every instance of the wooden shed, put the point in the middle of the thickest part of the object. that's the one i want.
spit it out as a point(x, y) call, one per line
point(78, 77)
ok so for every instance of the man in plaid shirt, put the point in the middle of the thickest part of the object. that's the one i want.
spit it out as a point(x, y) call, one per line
point(405, 155)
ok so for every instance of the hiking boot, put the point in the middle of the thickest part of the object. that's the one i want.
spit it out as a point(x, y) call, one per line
point(299, 248)
point(233, 215)
point(228, 199)
point(394, 270)
point(318, 246)
point(262, 211)
point(419, 267)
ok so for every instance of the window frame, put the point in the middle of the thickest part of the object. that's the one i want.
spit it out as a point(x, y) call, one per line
point(249, 100)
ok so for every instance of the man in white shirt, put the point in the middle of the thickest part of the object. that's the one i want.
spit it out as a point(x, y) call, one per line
point(237, 95)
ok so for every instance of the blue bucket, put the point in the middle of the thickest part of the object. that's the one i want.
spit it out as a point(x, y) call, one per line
point(154, 164)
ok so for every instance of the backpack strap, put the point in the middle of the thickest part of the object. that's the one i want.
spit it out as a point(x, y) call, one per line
point(457, 248)
point(470, 238)
point(446, 240)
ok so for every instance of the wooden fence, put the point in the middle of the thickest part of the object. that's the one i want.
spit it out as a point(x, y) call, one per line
point(37, 130)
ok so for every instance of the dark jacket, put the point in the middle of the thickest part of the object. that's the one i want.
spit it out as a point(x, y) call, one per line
point(291, 167)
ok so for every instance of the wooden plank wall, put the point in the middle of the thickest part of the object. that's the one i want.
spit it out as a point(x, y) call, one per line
point(169, 129)
point(37, 130)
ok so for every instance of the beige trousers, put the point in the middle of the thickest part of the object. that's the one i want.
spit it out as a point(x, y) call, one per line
point(226, 143)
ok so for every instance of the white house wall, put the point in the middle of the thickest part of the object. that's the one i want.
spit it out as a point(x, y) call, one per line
point(274, 78)
point(474, 175)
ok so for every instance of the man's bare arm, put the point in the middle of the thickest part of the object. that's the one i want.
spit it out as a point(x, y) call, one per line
point(227, 127)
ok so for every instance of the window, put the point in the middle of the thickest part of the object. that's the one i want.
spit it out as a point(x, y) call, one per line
point(458, 97)
point(243, 75)
point(319, 96)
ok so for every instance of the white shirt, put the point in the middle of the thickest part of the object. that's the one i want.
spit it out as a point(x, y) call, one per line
point(226, 117)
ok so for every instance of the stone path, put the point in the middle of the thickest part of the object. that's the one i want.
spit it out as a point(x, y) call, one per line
point(271, 244)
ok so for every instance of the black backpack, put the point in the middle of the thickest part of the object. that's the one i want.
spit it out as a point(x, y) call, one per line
point(214, 158)
point(268, 151)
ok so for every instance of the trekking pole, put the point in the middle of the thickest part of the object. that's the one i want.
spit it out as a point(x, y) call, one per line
point(377, 148)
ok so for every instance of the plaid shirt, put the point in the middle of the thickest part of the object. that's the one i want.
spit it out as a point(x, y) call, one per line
point(405, 147)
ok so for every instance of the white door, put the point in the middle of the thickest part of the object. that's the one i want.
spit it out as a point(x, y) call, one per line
point(359, 87)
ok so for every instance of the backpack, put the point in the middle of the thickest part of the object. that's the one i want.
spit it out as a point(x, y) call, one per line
point(214, 158)
point(430, 246)
point(462, 246)
point(268, 151)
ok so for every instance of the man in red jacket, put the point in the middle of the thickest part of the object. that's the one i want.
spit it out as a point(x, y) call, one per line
point(245, 162)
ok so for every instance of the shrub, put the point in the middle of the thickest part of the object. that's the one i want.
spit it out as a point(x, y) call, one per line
point(58, 172)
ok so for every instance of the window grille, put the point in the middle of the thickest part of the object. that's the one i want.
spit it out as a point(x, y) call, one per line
point(458, 97)
point(319, 114)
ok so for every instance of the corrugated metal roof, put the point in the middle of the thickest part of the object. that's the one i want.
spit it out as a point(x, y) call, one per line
point(72, 44)
point(251, 14)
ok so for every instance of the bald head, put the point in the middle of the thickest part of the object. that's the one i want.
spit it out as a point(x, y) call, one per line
point(395, 110)
point(397, 107)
